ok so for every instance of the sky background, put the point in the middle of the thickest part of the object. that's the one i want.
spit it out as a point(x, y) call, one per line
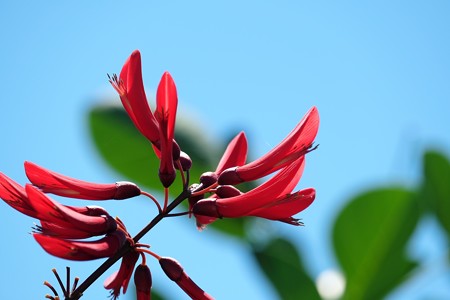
point(378, 72)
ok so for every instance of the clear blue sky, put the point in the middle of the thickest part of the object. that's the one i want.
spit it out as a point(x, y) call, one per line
point(378, 72)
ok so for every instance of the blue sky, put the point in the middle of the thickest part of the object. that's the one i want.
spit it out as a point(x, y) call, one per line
point(378, 72)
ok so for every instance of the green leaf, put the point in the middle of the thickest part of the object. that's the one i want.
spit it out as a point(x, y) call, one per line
point(370, 237)
point(128, 152)
point(123, 148)
point(282, 265)
point(436, 188)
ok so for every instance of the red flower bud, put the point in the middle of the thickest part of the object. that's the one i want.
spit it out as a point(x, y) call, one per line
point(176, 273)
point(143, 282)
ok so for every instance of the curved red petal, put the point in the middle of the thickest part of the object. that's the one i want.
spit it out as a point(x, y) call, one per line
point(235, 154)
point(287, 206)
point(80, 251)
point(135, 100)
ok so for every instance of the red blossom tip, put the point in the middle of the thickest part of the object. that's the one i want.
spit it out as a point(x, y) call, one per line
point(206, 207)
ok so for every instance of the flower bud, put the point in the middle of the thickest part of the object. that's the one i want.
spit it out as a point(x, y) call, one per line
point(143, 282)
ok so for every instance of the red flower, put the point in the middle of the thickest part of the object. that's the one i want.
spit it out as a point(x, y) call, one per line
point(295, 145)
point(131, 90)
point(80, 251)
point(62, 216)
point(175, 272)
point(143, 282)
point(52, 182)
point(121, 278)
point(166, 110)
point(271, 200)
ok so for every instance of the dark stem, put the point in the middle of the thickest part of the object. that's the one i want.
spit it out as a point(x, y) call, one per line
point(126, 247)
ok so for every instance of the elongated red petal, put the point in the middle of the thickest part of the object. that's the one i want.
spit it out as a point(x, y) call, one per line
point(175, 272)
point(80, 251)
point(287, 206)
point(58, 184)
point(134, 99)
point(121, 278)
point(295, 145)
point(235, 154)
point(15, 196)
point(54, 212)
point(166, 109)
point(67, 232)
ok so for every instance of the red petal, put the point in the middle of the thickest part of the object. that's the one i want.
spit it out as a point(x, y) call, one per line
point(121, 278)
point(73, 250)
point(287, 206)
point(235, 154)
point(54, 212)
point(135, 100)
point(15, 196)
point(58, 184)
point(166, 109)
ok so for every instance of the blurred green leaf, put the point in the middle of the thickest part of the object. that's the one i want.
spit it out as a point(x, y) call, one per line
point(436, 188)
point(370, 237)
point(282, 265)
point(122, 147)
point(128, 152)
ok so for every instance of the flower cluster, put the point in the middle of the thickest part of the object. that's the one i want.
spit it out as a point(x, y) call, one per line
point(89, 232)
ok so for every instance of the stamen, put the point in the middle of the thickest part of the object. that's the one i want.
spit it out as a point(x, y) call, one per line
point(60, 282)
point(47, 284)
point(75, 283)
